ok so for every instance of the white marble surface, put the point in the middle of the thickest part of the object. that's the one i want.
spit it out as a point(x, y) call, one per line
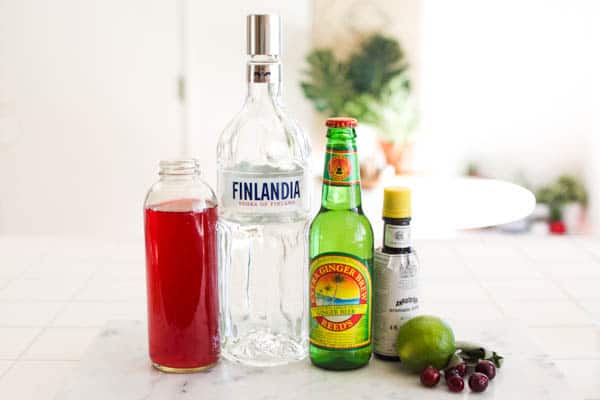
point(56, 294)
point(117, 368)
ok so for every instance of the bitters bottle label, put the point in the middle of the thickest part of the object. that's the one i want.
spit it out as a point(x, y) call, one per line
point(397, 236)
point(340, 302)
point(341, 166)
point(396, 297)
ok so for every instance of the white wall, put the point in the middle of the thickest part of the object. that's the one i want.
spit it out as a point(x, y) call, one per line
point(506, 84)
point(91, 87)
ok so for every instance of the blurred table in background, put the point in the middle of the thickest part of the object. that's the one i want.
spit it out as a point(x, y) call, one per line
point(444, 205)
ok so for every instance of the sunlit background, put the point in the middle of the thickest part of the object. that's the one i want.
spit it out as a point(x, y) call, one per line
point(93, 94)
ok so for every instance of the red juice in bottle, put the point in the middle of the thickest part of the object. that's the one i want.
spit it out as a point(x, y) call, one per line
point(181, 273)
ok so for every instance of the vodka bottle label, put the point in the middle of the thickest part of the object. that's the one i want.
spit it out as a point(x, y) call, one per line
point(264, 194)
point(340, 302)
point(396, 297)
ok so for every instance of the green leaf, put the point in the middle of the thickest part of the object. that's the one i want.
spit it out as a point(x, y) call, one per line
point(472, 353)
point(378, 60)
point(327, 88)
point(564, 190)
point(394, 113)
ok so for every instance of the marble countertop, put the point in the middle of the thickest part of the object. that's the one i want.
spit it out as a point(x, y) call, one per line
point(57, 294)
point(116, 367)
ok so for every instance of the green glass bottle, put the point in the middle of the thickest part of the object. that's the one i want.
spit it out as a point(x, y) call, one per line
point(341, 255)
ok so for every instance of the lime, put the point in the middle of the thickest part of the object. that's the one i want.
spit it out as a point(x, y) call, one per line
point(425, 341)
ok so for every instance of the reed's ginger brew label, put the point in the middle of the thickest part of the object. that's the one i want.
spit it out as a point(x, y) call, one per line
point(340, 302)
point(341, 166)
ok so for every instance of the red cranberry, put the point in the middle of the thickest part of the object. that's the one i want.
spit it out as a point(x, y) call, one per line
point(478, 382)
point(450, 372)
point(455, 383)
point(487, 368)
point(430, 377)
point(461, 369)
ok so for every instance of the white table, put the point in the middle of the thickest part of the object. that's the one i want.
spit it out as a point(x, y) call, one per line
point(56, 295)
point(443, 205)
point(117, 368)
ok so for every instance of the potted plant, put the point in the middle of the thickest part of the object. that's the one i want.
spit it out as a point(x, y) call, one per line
point(372, 85)
point(565, 192)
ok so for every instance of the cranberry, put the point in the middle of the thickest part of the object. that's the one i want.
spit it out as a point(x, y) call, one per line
point(487, 368)
point(430, 377)
point(461, 369)
point(478, 382)
point(450, 372)
point(455, 383)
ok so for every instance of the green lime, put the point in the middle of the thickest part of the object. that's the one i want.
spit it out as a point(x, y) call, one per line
point(425, 341)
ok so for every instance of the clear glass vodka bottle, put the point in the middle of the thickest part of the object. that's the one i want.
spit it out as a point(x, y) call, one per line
point(264, 204)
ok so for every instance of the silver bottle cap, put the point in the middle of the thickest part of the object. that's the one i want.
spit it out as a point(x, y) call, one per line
point(264, 34)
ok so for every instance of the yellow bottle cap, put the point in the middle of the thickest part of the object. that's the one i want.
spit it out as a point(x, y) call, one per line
point(396, 202)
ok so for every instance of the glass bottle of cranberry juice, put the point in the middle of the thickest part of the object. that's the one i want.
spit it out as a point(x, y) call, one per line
point(180, 217)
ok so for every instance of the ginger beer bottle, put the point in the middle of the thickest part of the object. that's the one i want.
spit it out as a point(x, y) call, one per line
point(341, 254)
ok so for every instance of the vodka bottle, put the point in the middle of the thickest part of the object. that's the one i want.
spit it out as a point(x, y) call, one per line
point(264, 205)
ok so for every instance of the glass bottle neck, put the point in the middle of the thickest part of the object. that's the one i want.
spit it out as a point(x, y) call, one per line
point(258, 92)
point(179, 170)
point(264, 78)
point(263, 75)
point(341, 175)
point(168, 178)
